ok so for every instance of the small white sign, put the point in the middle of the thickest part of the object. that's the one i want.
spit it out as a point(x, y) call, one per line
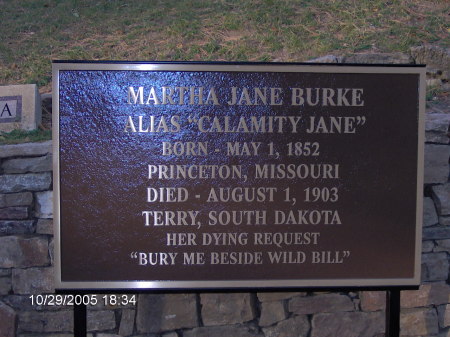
point(8, 109)
point(20, 107)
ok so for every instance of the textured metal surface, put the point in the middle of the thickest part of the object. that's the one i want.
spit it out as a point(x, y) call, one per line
point(103, 178)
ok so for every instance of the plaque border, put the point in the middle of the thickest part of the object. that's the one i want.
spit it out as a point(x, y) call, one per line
point(378, 283)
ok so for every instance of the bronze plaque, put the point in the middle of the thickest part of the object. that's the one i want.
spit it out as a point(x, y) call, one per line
point(237, 175)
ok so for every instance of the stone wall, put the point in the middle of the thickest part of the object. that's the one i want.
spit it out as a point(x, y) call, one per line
point(26, 259)
point(26, 251)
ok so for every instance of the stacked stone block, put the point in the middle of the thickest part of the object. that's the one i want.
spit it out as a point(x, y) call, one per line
point(26, 250)
point(25, 264)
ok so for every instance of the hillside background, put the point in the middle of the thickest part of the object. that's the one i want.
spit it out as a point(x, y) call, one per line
point(35, 32)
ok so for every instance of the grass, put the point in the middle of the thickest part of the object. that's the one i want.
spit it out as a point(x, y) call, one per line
point(432, 92)
point(21, 136)
point(33, 32)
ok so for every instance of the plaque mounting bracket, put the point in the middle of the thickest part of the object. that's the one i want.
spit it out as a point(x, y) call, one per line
point(393, 313)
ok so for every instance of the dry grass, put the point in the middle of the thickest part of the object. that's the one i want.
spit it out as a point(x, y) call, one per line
point(34, 31)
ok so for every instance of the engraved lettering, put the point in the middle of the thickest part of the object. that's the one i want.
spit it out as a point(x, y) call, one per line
point(5, 111)
point(327, 97)
point(167, 95)
point(185, 148)
point(293, 171)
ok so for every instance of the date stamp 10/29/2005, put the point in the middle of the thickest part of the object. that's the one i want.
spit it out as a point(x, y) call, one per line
point(86, 299)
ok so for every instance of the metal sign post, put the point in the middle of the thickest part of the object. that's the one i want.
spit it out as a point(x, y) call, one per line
point(393, 313)
point(79, 320)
